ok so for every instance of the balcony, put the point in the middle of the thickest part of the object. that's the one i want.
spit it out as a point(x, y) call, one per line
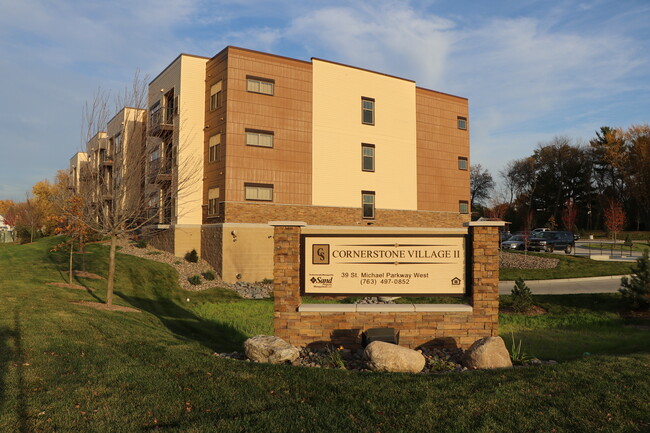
point(161, 121)
point(160, 170)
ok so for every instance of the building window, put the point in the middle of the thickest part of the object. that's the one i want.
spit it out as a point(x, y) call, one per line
point(259, 138)
point(256, 191)
point(368, 157)
point(463, 206)
point(117, 142)
point(367, 111)
point(368, 203)
point(260, 85)
point(462, 122)
point(215, 96)
point(213, 149)
point(462, 163)
point(213, 201)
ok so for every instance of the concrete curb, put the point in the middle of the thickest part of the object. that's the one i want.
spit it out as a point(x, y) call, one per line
point(569, 280)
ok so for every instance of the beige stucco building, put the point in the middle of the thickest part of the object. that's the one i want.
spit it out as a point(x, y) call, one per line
point(327, 144)
point(245, 137)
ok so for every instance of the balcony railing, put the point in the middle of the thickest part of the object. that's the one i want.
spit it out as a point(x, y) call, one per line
point(160, 120)
point(160, 170)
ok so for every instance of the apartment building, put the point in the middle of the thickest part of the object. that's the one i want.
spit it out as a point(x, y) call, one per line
point(326, 144)
point(110, 173)
point(245, 137)
point(175, 154)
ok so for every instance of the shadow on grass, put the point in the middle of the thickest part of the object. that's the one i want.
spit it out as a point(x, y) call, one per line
point(215, 335)
point(20, 362)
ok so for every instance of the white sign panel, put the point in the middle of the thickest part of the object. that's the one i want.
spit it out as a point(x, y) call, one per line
point(384, 265)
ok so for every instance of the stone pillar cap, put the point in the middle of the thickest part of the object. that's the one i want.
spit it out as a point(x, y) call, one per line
point(485, 224)
point(288, 223)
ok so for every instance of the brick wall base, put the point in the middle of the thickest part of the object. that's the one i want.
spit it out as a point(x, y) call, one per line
point(261, 213)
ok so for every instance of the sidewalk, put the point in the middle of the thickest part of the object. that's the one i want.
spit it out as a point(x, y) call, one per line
point(566, 286)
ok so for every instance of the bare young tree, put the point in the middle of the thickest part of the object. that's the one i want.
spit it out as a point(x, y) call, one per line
point(116, 190)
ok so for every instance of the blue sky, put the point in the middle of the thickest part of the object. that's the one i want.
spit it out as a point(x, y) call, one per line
point(530, 69)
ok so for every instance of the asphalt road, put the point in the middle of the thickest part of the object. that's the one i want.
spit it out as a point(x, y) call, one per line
point(567, 286)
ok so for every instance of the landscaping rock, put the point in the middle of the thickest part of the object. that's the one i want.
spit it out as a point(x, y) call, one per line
point(488, 352)
point(522, 261)
point(266, 348)
point(381, 356)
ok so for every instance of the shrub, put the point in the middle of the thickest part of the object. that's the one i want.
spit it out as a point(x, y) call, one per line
point(209, 276)
point(628, 241)
point(636, 290)
point(141, 244)
point(267, 281)
point(522, 297)
point(194, 280)
point(192, 256)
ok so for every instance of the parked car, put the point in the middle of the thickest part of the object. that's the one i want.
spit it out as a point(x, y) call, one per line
point(549, 241)
point(504, 236)
point(516, 242)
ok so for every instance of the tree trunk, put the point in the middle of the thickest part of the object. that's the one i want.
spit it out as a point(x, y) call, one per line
point(70, 267)
point(111, 270)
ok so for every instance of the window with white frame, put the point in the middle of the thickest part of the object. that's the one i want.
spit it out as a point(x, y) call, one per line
point(463, 206)
point(367, 157)
point(260, 85)
point(367, 111)
point(213, 148)
point(260, 192)
point(259, 138)
point(215, 96)
point(368, 204)
point(462, 163)
point(462, 122)
point(213, 201)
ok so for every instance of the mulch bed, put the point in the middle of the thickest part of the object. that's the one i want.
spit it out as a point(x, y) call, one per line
point(70, 286)
point(89, 275)
point(99, 306)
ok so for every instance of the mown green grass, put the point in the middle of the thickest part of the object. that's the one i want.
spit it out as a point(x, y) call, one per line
point(69, 368)
point(568, 267)
point(575, 325)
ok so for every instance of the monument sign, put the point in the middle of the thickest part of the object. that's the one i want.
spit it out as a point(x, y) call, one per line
point(394, 265)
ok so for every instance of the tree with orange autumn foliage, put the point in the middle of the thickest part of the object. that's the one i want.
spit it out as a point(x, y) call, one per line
point(70, 223)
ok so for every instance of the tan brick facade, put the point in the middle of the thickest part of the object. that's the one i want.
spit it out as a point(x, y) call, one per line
point(261, 213)
point(449, 329)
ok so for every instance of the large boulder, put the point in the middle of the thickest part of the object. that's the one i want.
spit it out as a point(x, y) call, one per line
point(266, 348)
point(382, 356)
point(488, 352)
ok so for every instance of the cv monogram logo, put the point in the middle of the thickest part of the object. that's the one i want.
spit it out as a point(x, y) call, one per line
point(320, 254)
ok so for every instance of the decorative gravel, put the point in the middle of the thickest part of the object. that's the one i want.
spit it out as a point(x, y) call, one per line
point(187, 269)
point(522, 261)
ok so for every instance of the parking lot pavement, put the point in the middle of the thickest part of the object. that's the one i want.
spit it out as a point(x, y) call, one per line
point(609, 284)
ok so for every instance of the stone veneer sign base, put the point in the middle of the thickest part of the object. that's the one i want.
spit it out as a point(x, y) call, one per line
point(448, 325)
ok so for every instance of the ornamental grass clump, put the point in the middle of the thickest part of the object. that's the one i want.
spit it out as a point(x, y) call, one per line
point(522, 297)
point(194, 280)
point(636, 289)
point(209, 275)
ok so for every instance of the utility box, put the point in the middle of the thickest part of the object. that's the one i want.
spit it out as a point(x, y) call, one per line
point(387, 335)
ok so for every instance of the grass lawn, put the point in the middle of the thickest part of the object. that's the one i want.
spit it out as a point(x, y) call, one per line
point(568, 267)
point(68, 368)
